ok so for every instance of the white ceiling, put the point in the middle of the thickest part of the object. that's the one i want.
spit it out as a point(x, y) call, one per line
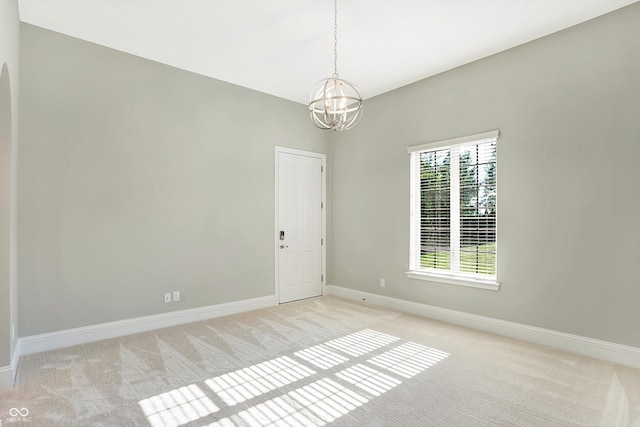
point(283, 47)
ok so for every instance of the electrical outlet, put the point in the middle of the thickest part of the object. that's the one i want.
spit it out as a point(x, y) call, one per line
point(382, 283)
point(167, 297)
point(176, 295)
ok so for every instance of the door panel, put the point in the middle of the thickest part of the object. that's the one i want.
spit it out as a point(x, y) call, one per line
point(300, 217)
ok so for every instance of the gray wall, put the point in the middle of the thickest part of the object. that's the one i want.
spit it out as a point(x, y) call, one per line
point(137, 179)
point(9, 44)
point(568, 108)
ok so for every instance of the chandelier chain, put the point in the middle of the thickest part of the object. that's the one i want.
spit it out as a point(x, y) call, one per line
point(335, 37)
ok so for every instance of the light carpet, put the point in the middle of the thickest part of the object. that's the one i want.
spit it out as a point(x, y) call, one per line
point(322, 361)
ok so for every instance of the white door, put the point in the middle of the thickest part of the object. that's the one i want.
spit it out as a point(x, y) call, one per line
point(299, 235)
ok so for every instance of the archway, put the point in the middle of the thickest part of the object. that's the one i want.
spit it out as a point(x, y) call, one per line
point(5, 216)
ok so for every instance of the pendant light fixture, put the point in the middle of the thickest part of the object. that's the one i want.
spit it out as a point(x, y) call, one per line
point(335, 104)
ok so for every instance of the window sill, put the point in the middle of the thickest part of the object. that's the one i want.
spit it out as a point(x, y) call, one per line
point(454, 280)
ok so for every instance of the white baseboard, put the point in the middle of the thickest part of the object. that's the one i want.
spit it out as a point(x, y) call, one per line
point(87, 334)
point(604, 350)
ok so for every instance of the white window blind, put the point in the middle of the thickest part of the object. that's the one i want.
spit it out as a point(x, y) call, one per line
point(453, 207)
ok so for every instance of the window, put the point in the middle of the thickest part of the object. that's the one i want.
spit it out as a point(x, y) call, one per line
point(453, 211)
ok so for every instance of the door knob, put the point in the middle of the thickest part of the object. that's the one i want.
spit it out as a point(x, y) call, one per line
point(284, 246)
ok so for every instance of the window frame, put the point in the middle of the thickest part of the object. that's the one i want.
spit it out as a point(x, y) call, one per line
point(454, 145)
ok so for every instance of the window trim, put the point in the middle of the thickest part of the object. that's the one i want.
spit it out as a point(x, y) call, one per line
point(447, 277)
point(453, 279)
point(463, 140)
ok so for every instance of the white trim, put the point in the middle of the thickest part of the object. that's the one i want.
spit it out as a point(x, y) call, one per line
point(323, 158)
point(454, 280)
point(414, 212)
point(453, 275)
point(87, 334)
point(454, 211)
point(323, 214)
point(6, 378)
point(604, 350)
point(281, 149)
point(276, 222)
point(15, 360)
point(475, 139)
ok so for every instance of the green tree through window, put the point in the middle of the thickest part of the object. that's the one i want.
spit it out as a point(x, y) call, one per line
point(435, 202)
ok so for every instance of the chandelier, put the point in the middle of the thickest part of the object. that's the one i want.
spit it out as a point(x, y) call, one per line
point(335, 104)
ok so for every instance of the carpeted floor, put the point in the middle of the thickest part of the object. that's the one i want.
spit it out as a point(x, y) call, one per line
point(318, 362)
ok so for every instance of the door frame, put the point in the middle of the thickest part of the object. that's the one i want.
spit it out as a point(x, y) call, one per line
point(323, 198)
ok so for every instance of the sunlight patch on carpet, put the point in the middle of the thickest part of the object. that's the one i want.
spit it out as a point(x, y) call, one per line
point(243, 384)
point(317, 404)
point(409, 359)
point(329, 395)
point(321, 356)
point(368, 379)
point(177, 407)
point(361, 342)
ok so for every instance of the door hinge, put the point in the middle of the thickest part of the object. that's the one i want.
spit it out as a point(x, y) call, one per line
point(321, 169)
point(321, 241)
point(321, 205)
point(322, 278)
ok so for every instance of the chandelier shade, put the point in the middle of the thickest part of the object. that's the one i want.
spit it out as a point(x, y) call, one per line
point(335, 104)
